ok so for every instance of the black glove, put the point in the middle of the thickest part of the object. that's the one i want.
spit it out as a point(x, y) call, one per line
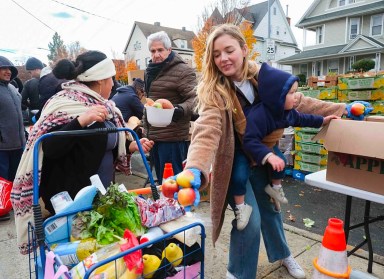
point(178, 113)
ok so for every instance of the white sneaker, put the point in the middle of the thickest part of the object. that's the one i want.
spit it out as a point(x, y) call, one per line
point(242, 216)
point(293, 267)
point(230, 275)
point(276, 194)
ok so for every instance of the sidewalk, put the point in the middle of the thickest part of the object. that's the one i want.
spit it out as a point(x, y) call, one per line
point(304, 246)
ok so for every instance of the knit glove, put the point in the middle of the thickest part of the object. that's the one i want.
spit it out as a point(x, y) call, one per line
point(195, 183)
point(178, 113)
point(367, 110)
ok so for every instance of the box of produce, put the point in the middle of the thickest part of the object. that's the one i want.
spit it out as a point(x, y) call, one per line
point(310, 148)
point(356, 95)
point(299, 165)
point(305, 137)
point(321, 93)
point(311, 158)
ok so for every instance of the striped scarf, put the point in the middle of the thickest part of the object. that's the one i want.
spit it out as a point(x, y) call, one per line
point(60, 109)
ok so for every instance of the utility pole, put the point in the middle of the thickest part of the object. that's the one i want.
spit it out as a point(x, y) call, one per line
point(270, 42)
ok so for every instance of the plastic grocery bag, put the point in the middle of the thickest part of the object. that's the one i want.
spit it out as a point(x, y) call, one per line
point(130, 266)
point(5, 196)
point(49, 272)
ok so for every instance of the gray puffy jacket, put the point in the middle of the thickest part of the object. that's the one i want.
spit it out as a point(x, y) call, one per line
point(12, 134)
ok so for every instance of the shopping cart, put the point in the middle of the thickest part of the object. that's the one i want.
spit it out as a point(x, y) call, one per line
point(39, 246)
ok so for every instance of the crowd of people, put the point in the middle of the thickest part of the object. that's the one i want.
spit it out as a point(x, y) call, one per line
point(242, 109)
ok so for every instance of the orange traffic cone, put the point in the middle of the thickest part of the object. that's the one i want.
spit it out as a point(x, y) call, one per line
point(332, 261)
point(168, 171)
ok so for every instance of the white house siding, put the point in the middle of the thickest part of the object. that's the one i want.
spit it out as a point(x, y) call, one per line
point(334, 33)
point(280, 32)
point(138, 54)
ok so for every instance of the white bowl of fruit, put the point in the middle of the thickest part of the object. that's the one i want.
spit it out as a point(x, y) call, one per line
point(159, 112)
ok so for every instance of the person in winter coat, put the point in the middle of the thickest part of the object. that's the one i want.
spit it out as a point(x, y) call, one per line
point(12, 136)
point(277, 91)
point(128, 99)
point(216, 140)
point(169, 77)
point(48, 86)
point(67, 163)
point(30, 93)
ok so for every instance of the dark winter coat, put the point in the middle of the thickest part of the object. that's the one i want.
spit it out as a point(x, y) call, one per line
point(128, 102)
point(30, 94)
point(176, 82)
point(269, 115)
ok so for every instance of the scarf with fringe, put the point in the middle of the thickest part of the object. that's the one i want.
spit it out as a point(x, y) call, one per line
point(60, 109)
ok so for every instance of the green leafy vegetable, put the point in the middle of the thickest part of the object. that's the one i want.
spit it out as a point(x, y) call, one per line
point(111, 215)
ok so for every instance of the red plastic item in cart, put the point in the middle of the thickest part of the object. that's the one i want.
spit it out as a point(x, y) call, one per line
point(5, 196)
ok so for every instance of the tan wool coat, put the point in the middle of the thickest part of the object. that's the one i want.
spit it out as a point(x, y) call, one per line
point(213, 143)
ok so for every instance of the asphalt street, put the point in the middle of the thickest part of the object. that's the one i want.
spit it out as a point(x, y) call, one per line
point(319, 205)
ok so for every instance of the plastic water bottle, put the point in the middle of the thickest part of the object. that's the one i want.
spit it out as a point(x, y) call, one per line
point(151, 234)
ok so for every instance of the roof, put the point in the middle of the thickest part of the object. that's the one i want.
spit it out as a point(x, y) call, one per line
point(334, 51)
point(313, 53)
point(370, 8)
point(256, 13)
point(173, 33)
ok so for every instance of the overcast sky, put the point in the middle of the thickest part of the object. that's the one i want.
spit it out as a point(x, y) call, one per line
point(100, 24)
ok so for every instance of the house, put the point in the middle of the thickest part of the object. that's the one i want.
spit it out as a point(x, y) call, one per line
point(274, 43)
point(277, 41)
point(345, 31)
point(137, 49)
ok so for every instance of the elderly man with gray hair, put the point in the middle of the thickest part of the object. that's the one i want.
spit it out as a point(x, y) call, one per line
point(169, 77)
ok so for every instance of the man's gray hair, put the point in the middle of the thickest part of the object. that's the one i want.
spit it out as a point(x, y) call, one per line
point(160, 36)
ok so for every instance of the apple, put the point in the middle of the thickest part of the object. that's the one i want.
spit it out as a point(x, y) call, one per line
point(169, 188)
point(165, 103)
point(149, 102)
point(157, 105)
point(357, 109)
point(186, 196)
point(184, 178)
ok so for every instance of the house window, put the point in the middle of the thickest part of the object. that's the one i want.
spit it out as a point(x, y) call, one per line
point(137, 46)
point(138, 63)
point(274, 10)
point(319, 35)
point(351, 61)
point(304, 69)
point(354, 27)
point(344, 2)
point(333, 66)
point(377, 25)
point(277, 30)
point(183, 44)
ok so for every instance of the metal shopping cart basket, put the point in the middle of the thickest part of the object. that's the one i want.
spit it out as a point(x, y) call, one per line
point(39, 246)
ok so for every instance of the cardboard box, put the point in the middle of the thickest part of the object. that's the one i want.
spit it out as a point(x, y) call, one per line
point(355, 154)
point(135, 74)
point(308, 167)
point(311, 158)
point(310, 148)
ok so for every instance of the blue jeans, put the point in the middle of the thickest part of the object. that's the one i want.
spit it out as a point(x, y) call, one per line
point(240, 174)
point(168, 152)
point(244, 245)
point(278, 174)
point(9, 162)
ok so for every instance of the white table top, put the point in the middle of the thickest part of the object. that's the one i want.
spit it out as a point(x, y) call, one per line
point(317, 179)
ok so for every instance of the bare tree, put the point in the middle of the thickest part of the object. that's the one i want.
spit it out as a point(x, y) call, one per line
point(74, 49)
point(224, 11)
